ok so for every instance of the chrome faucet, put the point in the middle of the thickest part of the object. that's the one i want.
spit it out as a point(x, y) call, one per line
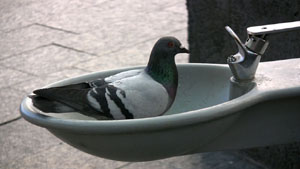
point(243, 64)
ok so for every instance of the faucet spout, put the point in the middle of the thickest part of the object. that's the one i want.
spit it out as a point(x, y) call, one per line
point(243, 64)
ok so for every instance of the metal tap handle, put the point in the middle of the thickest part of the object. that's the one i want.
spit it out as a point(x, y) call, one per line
point(273, 28)
point(257, 35)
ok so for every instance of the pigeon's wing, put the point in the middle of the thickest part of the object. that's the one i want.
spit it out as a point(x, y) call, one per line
point(113, 78)
point(136, 97)
point(97, 83)
point(123, 75)
point(73, 96)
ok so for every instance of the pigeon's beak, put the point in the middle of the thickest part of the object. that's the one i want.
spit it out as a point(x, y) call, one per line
point(182, 49)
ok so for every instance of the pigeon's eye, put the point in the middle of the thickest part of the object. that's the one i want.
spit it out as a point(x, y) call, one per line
point(170, 44)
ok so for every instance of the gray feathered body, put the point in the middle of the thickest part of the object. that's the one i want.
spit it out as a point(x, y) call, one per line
point(127, 95)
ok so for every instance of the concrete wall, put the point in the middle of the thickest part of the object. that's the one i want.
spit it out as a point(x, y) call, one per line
point(210, 43)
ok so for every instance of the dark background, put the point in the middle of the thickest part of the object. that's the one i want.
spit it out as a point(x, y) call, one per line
point(210, 43)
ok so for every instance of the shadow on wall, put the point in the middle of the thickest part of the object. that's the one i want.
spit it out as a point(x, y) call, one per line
point(210, 43)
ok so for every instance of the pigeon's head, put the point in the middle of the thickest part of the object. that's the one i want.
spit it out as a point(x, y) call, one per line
point(161, 66)
point(168, 47)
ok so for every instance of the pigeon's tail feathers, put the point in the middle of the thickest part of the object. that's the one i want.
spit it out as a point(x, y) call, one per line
point(70, 96)
point(73, 96)
point(49, 106)
point(50, 99)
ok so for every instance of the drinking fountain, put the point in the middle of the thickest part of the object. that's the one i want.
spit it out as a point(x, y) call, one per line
point(218, 107)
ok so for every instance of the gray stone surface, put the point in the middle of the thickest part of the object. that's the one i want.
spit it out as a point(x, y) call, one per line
point(20, 139)
point(61, 156)
point(110, 37)
point(9, 105)
point(10, 76)
point(216, 160)
point(45, 60)
point(28, 38)
point(130, 56)
point(37, 82)
point(45, 41)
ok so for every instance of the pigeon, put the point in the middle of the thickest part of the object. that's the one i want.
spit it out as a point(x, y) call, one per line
point(130, 94)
